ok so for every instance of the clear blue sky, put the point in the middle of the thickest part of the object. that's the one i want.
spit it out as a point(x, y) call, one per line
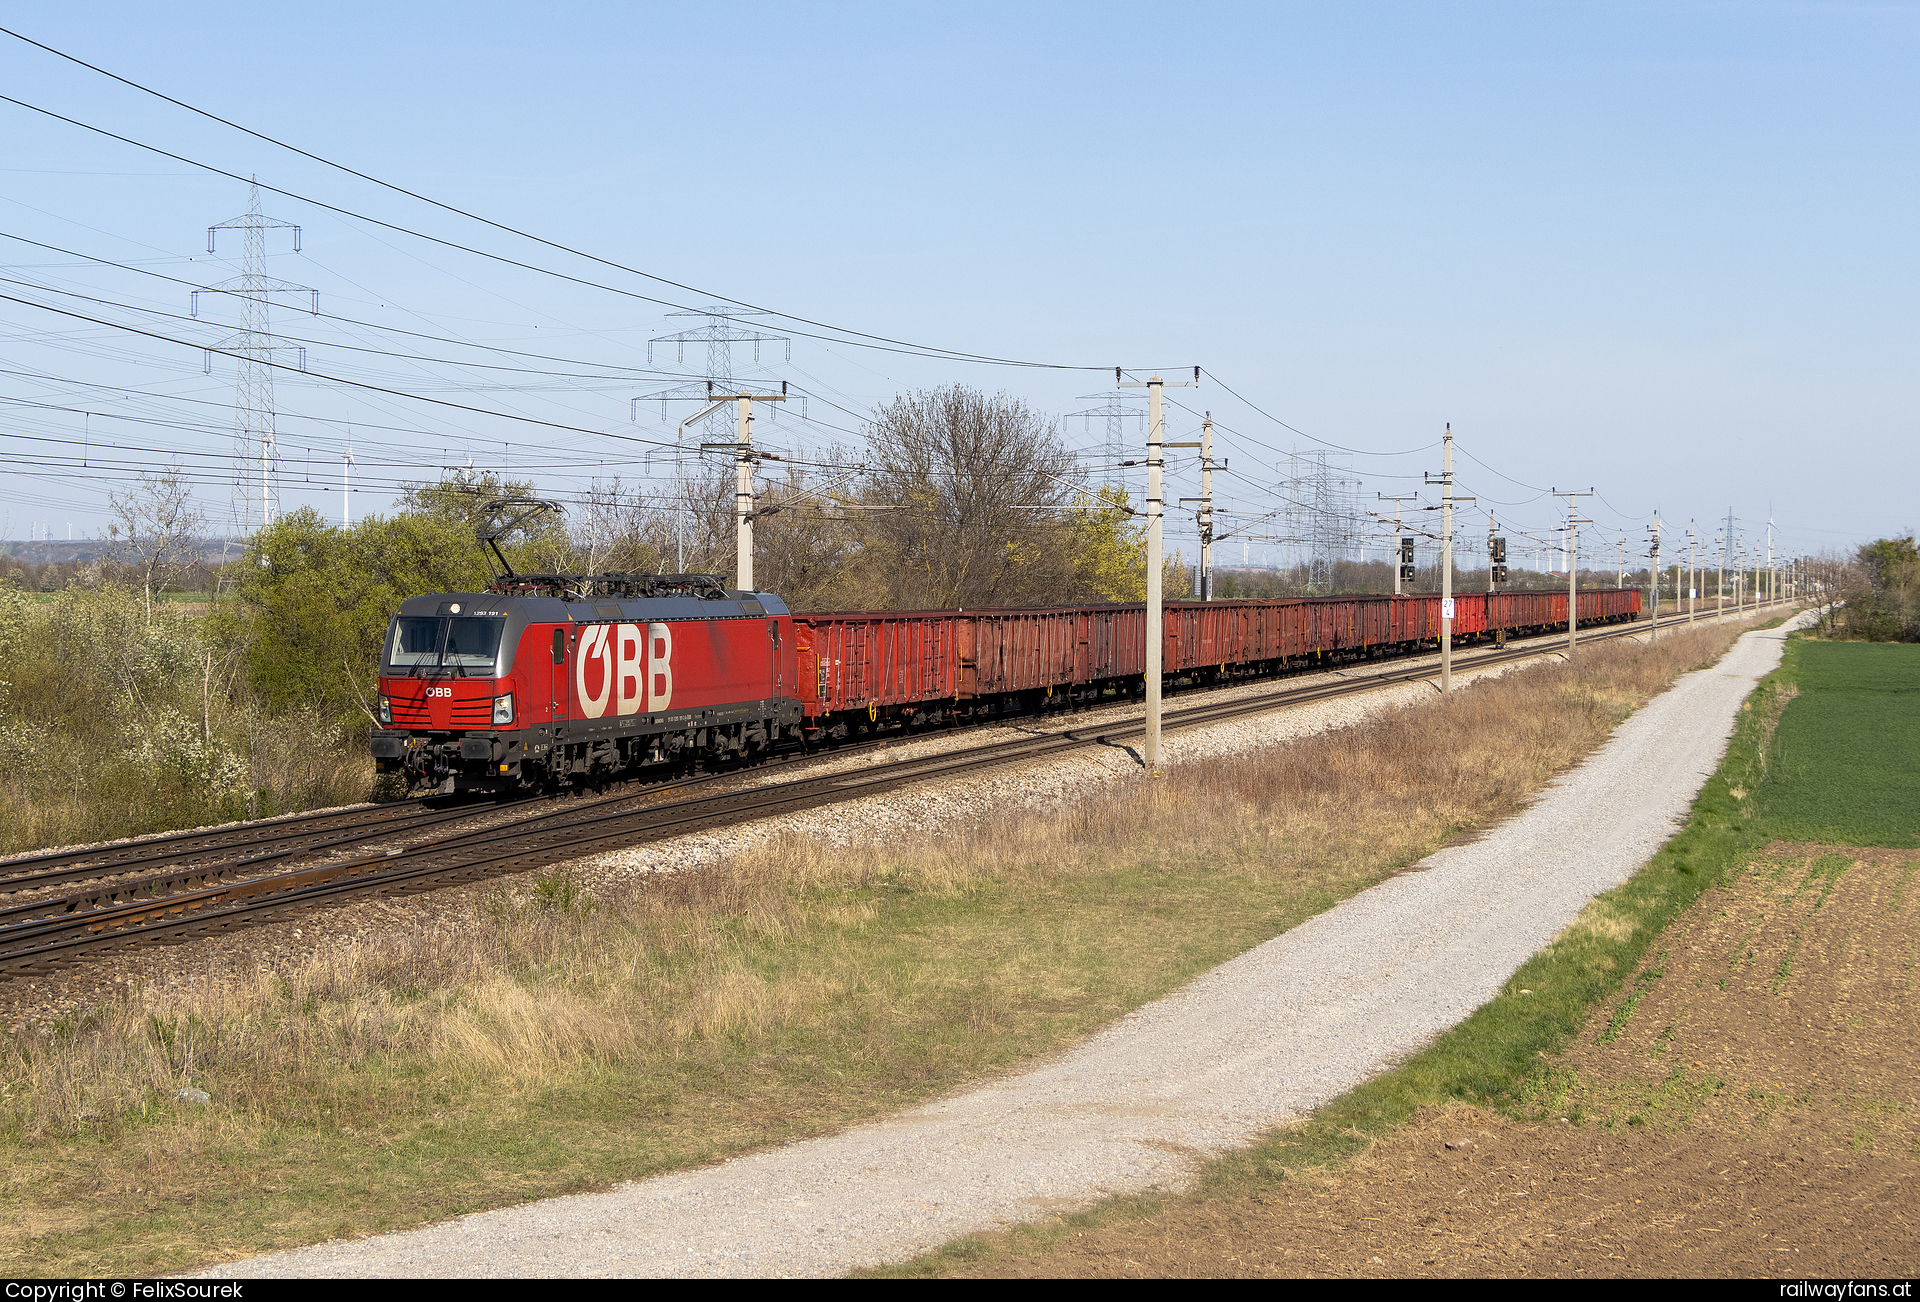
point(1663, 249)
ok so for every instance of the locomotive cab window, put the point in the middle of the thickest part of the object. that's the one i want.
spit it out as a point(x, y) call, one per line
point(427, 642)
point(472, 643)
point(416, 643)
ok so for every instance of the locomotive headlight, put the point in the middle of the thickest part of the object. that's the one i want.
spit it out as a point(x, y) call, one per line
point(386, 710)
point(503, 708)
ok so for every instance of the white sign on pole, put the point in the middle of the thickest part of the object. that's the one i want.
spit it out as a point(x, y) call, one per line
point(1446, 608)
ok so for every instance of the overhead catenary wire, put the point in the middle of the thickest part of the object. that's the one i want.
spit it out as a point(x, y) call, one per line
point(1251, 405)
point(839, 334)
point(613, 374)
point(626, 379)
point(285, 366)
point(603, 372)
point(922, 350)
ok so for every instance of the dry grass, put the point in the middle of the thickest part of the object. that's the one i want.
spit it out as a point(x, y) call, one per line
point(562, 1042)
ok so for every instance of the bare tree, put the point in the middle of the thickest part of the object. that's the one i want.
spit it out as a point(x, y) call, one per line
point(977, 487)
point(615, 529)
point(808, 548)
point(157, 531)
point(1835, 581)
point(693, 523)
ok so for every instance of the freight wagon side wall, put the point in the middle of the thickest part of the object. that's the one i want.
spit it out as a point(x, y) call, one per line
point(1202, 635)
point(1521, 610)
point(1118, 642)
point(1025, 650)
point(869, 661)
point(1470, 612)
point(883, 659)
point(1410, 618)
point(1530, 609)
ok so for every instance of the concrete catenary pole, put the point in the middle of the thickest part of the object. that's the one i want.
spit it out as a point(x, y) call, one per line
point(1447, 499)
point(1653, 577)
point(1727, 557)
point(1206, 508)
point(1688, 553)
point(743, 494)
point(1573, 564)
point(744, 458)
point(1773, 568)
point(1573, 585)
point(1156, 436)
point(1446, 565)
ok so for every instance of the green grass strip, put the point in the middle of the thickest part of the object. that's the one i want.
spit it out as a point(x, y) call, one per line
point(1501, 1056)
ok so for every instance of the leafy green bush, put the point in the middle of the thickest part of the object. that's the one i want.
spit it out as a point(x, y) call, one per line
point(1887, 607)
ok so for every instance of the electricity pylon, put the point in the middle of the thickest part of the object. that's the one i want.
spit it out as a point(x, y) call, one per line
point(256, 454)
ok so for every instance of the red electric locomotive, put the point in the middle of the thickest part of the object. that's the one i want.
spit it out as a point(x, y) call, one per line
point(571, 679)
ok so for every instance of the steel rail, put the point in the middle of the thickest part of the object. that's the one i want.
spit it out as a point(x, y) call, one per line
point(101, 860)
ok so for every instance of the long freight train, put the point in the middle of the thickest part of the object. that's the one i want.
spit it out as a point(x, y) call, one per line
point(559, 680)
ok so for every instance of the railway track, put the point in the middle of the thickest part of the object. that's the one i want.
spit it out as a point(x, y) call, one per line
point(212, 852)
point(271, 878)
point(29, 872)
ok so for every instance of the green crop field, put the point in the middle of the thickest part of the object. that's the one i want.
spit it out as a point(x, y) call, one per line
point(1844, 766)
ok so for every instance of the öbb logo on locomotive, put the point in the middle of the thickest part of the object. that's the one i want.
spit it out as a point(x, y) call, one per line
point(598, 659)
point(551, 681)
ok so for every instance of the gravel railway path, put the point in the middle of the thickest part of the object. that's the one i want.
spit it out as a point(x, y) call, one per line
point(1267, 1036)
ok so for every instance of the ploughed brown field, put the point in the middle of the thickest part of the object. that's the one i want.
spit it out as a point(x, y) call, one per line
point(1748, 1104)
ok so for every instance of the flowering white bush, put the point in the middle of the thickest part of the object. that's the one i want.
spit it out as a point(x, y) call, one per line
point(173, 744)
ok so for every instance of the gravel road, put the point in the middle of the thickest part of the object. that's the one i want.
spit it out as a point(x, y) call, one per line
point(1267, 1036)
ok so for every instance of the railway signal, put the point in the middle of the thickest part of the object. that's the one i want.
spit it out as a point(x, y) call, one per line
point(1203, 573)
point(1403, 560)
